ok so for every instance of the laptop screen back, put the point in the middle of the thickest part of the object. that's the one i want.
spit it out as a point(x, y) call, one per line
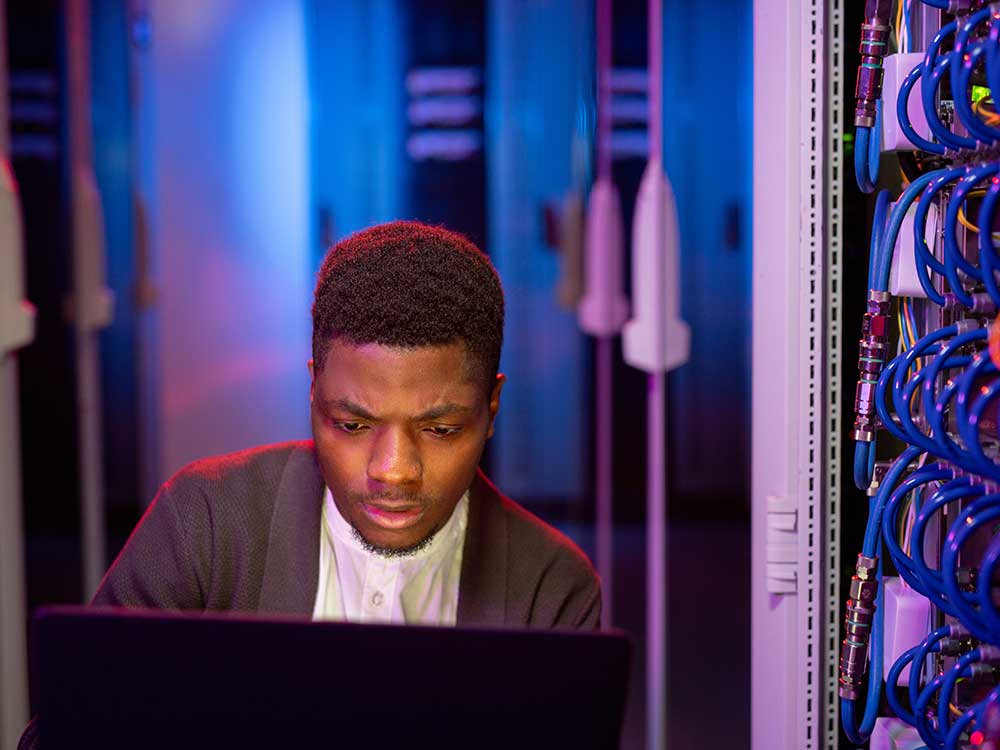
point(124, 678)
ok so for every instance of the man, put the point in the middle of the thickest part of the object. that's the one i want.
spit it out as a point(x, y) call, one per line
point(384, 515)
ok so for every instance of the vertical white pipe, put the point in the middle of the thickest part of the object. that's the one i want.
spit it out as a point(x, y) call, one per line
point(13, 645)
point(604, 477)
point(16, 325)
point(656, 567)
point(655, 93)
point(656, 504)
point(604, 387)
point(92, 304)
point(604, 23)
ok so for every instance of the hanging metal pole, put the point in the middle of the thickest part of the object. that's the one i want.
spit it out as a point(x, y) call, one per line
point(656, 447)
point(656, 340)
point(17, 328)
point(603, 309)
point(92, 302)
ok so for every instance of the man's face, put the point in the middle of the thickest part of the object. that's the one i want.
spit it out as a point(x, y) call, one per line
point(399, 433)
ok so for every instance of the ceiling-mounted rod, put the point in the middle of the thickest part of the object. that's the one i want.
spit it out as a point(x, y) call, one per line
point(603, 308)
point(656, 340)
point(92, 302)
point(604, 20)
point(17, 326)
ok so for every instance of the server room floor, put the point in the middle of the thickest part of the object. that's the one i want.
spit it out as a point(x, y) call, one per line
point(709, 630)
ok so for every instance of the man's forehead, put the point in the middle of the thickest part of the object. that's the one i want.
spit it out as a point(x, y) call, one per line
point(410, 379)
point(452, 359)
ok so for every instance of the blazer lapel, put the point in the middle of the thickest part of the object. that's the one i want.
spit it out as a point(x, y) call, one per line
point(291, 571)
point(482, 589)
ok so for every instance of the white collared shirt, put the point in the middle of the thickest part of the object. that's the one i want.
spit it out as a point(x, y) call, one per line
point(362, 586)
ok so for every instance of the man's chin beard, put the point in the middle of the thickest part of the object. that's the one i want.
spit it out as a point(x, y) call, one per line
point(392, 552)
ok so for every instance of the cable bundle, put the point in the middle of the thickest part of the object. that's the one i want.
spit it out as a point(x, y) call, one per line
point(938, 394)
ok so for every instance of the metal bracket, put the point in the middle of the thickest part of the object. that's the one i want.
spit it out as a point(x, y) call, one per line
point(782, 546)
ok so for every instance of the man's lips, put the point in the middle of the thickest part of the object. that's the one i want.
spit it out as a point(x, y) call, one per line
point(392, 516)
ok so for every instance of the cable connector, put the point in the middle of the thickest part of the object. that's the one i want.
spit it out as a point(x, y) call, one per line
point(965, 325)
point(982, 303)
point(953, 646)
point(872, 349)
point(867, 92)
point(878, 474)
point(858, 626)
point(989, 654)
point(966, 578)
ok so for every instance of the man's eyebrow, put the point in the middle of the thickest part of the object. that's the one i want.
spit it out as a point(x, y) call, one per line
point(445, 410)
point(343, 404)
point(437, 412)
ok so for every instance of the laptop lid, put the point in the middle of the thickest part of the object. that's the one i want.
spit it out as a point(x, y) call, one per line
point(127, 678)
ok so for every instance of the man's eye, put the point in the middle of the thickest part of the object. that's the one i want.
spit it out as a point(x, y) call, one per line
point(350, 428)
point(441, 431)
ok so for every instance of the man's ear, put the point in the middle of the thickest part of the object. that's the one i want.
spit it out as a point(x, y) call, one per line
point(312, 380)
point(495, 401)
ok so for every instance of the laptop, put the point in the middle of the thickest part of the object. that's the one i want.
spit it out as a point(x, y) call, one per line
point(115, 678)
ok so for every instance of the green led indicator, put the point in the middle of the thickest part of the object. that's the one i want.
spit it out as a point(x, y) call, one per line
point(848, 137)
point(979, 93)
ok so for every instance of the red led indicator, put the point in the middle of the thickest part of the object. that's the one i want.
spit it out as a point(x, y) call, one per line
point(976, 738)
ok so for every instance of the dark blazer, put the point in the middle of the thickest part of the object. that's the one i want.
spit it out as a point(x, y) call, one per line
point(242, 532)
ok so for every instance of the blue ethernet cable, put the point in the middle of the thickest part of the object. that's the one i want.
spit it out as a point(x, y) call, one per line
point(963, 58)
point(927, 733)
point(928, 96)
point(931, 54)
point(984, 585)
point(928, 577)
point(859, 733)
point(950, 450)
point(984, 510)
point(864, 452)
point(993, 55)
point(896, 215)
point(892, 679)
point(954, 259)
point(903, 114)
point(930, 373)
point(968, 423)
point(882, 202)
point(880, 263)
point(867, 152)
point(958, 727)
point(990, 470)
point(935, 442)
point(905, 565)
point(923, 256)
point(874, 524)
point(906, 21)
point(929, 645)
point(979, 129)
point(961, 668)
point(988, 259)
point(903, 389)
point(864, 464)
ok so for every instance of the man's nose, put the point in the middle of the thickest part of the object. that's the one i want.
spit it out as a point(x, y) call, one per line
point(395, 459)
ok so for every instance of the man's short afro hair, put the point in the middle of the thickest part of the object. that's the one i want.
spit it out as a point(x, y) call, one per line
point(408, 284)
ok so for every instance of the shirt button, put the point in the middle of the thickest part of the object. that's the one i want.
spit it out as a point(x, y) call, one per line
point(377, 599)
